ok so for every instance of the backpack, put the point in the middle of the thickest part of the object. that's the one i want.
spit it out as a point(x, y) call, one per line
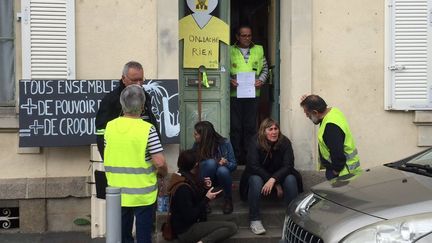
point(167, 230)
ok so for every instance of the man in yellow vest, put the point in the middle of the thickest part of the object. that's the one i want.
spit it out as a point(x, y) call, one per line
point(133, 158)
point(246, 57)
point(338, 152)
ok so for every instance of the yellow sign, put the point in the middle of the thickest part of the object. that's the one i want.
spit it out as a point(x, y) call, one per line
point(201, 45)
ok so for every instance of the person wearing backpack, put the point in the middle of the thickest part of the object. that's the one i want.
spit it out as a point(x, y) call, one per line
point(189, 196)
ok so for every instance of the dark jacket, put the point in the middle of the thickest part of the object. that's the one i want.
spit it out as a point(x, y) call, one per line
point(278, 163)
point(110, 108)
point(188, 203)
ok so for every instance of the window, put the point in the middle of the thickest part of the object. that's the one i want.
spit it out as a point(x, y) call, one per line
point(409, 58)
point(7, 53)
point(48, 39)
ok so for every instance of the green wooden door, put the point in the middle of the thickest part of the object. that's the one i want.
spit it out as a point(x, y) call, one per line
point(215, 99)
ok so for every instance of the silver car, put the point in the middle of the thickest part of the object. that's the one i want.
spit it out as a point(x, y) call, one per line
point(389, 203)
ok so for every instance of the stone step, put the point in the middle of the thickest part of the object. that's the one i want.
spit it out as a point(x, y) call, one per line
point(273, 235)
point(265, 202)
point(236, 175)
point(272, 213)
point(235, 194)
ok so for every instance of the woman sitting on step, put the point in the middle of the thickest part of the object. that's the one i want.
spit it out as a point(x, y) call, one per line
point(269, 170)
point(217, 160)
point(188, 205)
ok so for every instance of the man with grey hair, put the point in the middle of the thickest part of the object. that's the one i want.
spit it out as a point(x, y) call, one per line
point(110, 107)
point(133, 158)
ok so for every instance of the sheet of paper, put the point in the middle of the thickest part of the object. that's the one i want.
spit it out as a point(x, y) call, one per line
point(246, 85)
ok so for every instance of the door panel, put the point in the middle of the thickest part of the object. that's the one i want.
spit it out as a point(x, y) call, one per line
point(215, 99)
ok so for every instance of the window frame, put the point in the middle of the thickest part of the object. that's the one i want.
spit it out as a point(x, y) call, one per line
point(46, 22)
point(391, 102)
point(12, 38)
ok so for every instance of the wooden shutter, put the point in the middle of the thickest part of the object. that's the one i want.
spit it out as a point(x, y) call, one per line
point(48, 39)
point(410, 66)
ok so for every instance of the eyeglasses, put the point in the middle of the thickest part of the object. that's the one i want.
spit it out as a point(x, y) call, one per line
point(138, 80)
point(246, 36)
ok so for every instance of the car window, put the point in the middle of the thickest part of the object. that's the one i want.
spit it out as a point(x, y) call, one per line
point(423, 159)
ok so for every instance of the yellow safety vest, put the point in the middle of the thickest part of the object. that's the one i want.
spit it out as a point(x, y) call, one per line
point(254, 64)
point(125, 164)
point(336, 117)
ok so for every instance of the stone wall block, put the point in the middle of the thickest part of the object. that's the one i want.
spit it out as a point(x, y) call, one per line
point(32, 216)
point(61, 214)
point(13, 188)
point(69, 186)
point(36, 188)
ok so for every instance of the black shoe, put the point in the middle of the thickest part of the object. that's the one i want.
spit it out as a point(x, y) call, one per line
point(227, 207)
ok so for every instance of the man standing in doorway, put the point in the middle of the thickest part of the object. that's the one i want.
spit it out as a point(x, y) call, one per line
point(338, 152)
point(245, 57)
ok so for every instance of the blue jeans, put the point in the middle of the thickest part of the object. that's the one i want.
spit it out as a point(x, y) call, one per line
point(290, 191)
point(144, 223)
point(219, 175)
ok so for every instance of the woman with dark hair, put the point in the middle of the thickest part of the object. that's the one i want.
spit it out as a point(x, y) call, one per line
point(189, 199)
point(269, 170)
point(217, 160)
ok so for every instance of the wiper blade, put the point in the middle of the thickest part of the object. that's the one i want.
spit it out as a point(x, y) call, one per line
point(420, 167)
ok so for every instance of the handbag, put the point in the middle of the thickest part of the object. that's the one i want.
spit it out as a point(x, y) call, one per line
point(167, 231)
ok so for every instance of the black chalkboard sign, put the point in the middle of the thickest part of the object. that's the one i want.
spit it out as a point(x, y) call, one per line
point(62, 112)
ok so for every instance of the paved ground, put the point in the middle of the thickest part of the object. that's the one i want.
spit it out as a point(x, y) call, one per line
point(64, 237)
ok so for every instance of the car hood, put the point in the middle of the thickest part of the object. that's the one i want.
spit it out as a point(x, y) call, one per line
point(381, 192)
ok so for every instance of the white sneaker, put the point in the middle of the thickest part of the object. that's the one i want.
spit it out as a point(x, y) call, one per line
point(257, 227)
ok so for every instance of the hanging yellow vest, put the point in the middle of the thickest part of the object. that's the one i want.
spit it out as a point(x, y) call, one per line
point(125, 165)
point(336, 117)
point(254, 64)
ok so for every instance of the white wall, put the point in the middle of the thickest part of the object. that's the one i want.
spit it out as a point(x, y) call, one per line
point(296, 79)
point(336, 49)
point(111, 33)
point(167, 59)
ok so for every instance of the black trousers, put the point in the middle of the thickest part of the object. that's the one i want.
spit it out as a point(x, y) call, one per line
point(243, 125)
point(100, 144)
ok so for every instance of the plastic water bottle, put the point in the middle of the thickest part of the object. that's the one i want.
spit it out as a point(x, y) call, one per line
point(162, 203)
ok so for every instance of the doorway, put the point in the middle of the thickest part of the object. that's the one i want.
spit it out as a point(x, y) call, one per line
point(263, 17)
